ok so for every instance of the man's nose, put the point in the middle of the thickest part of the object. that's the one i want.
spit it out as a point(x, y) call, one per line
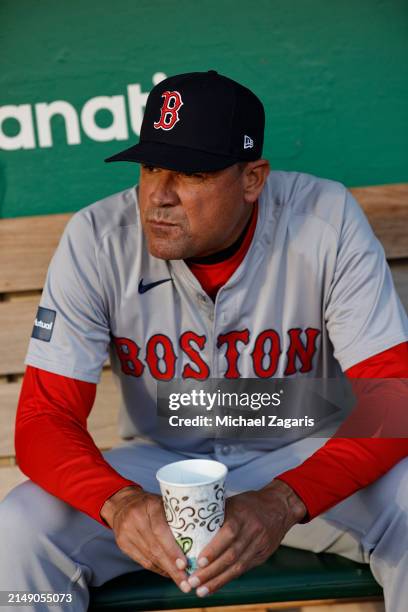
point(164, 192)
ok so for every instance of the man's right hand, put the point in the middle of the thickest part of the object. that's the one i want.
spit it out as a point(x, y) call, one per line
point(141, 531)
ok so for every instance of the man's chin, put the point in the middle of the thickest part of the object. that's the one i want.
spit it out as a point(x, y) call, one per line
point(166, 251)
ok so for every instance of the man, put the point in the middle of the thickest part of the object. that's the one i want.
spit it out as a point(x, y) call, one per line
point(213, 267)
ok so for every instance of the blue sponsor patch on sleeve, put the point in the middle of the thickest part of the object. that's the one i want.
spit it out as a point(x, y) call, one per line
point(44, 324)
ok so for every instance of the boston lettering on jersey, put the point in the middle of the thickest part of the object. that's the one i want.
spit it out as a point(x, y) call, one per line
point(160, 349)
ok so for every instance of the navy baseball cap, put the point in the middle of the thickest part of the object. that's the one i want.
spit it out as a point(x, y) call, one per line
point(198, 122)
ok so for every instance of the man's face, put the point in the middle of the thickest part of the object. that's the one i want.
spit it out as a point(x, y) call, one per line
point(192, 215)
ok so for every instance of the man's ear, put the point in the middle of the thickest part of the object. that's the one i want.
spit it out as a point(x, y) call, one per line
point(255, 175)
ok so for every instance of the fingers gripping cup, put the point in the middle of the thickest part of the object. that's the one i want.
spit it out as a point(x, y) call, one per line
point(194, 500)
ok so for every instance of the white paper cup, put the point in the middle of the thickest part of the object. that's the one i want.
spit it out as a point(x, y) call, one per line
point(194, 501)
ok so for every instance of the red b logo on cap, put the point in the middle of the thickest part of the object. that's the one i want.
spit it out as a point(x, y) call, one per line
point(169, 111)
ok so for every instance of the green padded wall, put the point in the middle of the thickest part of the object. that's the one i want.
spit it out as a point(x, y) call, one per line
point(332, 74)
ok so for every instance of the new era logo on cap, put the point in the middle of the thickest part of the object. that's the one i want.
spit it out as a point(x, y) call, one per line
point(248, 142)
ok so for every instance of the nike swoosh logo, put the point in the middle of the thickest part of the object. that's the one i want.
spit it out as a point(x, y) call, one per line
point(143, 288)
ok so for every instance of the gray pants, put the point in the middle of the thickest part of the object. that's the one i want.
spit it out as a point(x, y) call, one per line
point(46, 545)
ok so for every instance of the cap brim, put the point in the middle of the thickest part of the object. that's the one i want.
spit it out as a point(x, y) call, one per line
point(181, 159)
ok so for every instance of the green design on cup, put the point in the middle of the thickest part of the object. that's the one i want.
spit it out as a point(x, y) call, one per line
point(185, 543)
point(191, 565)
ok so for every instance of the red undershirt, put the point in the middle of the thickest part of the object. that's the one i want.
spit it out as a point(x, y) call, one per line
point(55, 450)
point(215, 275)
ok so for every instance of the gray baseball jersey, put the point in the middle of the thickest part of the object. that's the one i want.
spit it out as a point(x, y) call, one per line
point(313, 296)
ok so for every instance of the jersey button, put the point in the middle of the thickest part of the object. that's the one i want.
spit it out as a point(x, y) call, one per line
point(225, 450)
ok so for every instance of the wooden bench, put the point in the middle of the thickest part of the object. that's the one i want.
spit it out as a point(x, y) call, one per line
point(26, 247)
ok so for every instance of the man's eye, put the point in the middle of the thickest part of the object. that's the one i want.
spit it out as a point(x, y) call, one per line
point(148, 168)
point(194, 175)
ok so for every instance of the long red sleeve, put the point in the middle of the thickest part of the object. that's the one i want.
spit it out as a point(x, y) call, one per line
point(54, 448)
point(345, 465)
